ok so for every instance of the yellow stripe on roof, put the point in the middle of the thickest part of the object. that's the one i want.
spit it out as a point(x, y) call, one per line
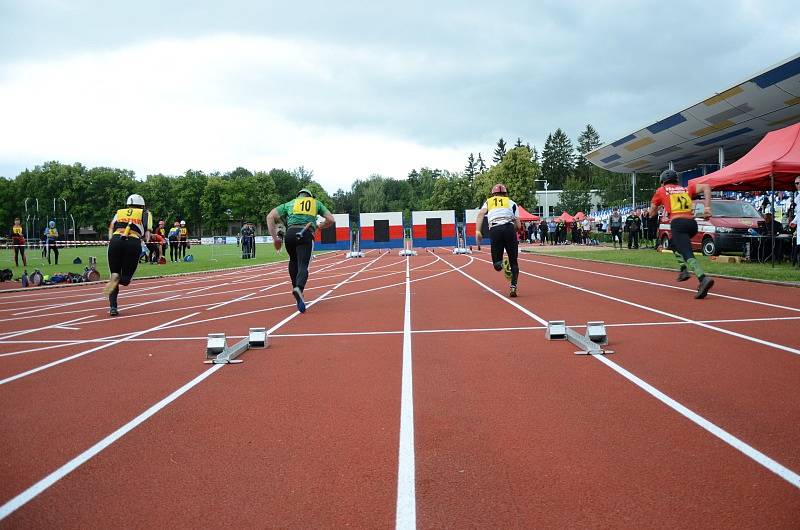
point(713, 128)
point(722, 96)
point(633, 146)
point(785, 120)
point(790, 102)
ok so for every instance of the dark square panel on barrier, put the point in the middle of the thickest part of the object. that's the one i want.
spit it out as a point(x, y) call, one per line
point(433, 228)
point(329, 234)
point(381, 231)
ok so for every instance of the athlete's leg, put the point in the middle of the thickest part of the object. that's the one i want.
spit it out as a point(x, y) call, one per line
point(496, 237)
point(512, 251)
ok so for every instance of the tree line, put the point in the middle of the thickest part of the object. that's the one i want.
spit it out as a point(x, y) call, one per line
point(209, 201)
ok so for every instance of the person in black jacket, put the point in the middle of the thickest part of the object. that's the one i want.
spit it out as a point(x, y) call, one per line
point(634, 229)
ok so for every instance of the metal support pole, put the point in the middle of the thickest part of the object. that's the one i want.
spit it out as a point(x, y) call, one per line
point(633, 190)
point(721, 156)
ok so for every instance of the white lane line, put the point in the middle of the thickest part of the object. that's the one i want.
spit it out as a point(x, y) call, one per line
point(9, 507)
point(406, 514)
point(86, 352)
point(26, 331)
point(667, 314)
point(40, 486)
point(785, 473)
point(746, 449)
point(712, 294)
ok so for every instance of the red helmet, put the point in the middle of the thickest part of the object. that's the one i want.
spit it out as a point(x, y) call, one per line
point(499, 188)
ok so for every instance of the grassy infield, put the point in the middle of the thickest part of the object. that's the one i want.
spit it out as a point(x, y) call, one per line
point(230, 256)
point(205, 258)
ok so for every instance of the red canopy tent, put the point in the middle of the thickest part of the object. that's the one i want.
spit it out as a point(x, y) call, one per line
point(525, 215)
point(567, 218)
point(580, 216)
point(771, 164)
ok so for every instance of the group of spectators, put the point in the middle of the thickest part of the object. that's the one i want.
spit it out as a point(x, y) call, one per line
point(638, 229)
point(177, 238)
point(558, 232)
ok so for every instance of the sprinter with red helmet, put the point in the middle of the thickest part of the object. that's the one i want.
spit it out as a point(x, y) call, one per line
point(503, 226)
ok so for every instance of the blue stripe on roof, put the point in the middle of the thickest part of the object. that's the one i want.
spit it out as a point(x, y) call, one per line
point(608, 159)
point(776, 75)
point(623, 140)
point(666, 123)
point(724, 137)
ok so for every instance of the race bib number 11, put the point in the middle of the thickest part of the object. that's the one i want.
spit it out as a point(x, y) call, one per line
point(496, 202)
point(305, 206)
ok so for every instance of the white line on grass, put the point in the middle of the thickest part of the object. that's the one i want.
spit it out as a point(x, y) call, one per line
point(748, 450)
point(406, 514)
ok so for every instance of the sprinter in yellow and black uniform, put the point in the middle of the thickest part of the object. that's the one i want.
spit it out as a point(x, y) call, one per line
point(301, 222)
point(129, 227)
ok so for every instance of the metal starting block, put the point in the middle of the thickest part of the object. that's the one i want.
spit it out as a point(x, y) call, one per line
point(354, 255)
point(407, 252)
point(556, 330)
point(218, 352)
point(462, 250)
point(591, 343)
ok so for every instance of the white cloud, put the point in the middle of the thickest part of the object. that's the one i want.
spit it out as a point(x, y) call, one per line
point(216, 103)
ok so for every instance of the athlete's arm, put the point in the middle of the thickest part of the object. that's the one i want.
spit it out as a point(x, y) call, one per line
point(479, 222)
point(272, 219)
point(329, 220)
point(705, 189)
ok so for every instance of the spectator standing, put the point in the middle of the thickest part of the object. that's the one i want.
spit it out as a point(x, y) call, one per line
point(615, 226)
point(634, 229)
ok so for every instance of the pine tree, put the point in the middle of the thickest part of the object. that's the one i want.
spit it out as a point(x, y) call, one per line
point(471, 170)
point(588, 141)
point(519, 142)
point(534, 153)
point(557, 159)
point(500, 151)
point(481, 164)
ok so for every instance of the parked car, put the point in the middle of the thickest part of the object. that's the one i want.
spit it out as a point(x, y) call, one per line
point(727, 230)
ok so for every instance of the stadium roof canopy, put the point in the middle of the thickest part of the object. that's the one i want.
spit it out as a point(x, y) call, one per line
point(734, 119)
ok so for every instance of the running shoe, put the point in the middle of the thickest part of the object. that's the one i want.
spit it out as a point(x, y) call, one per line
point(113, 311)
point(705, 285)
point(513, 291)
point(507, 269)
point(298, 295)
point(684, 275)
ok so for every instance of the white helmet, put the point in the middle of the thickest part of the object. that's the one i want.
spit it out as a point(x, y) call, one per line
point(134, 200)
point(183, 223)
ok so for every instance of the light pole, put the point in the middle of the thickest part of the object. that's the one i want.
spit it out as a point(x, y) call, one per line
point(546, 208)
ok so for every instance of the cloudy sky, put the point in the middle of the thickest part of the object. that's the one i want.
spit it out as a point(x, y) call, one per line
point(348, 89)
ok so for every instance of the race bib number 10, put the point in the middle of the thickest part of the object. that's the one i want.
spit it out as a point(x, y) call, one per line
point(305, 206)
point(680, 203)
point(496, 202)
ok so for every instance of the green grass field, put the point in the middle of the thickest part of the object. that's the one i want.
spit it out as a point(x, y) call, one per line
point(648, 257)
point(206, 257)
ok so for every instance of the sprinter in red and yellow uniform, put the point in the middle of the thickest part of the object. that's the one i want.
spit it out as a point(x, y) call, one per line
point(128, 229)
point(677, 203)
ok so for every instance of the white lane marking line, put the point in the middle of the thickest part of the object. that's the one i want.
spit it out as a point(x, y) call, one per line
point(746, 449)
point(27, 331)
point(785, 473)
point(668, 314)
point(718, 295)
point(406, 514)
point(67, 328)
point(21, 499)
point(91, 350)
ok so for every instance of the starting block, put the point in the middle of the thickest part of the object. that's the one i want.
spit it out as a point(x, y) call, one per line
point(354, 255)
point(462, 250)
point(556, 330)
point(590, 343)
point(218, 352)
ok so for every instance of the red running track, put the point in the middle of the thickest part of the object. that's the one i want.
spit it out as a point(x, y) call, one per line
point(509, 430)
